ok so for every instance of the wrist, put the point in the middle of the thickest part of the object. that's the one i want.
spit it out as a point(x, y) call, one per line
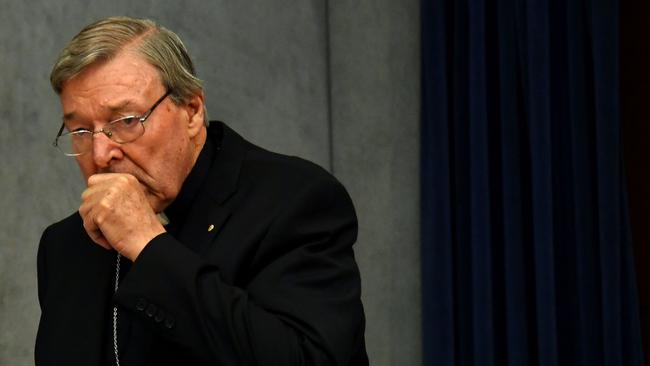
point(133, 250)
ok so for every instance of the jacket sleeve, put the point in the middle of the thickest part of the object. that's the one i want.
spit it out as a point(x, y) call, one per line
point(41, 270)
point(301, 308)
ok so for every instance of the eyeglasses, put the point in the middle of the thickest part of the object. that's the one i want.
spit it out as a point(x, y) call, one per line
point(122, 130)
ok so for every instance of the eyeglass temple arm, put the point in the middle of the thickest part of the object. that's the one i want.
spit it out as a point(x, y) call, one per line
point(54, 143)
point(144, 118)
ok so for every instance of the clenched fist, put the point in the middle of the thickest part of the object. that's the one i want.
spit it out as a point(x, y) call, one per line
point(116, 214)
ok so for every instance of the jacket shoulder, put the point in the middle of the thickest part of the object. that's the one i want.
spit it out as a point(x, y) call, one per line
point(61, 229)
point(282, 172)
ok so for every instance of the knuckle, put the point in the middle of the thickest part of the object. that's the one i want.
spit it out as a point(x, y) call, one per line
point(99, 220)
point(105, 203)
point(88, 225)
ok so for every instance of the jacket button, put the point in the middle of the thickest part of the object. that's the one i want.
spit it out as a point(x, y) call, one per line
point(142, 303)
point(160, 316)
point(169, 322)
point(151, 310)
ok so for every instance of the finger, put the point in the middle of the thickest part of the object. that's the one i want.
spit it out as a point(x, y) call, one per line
point(98, 238)
point(102, 242)
point(88, 193)
point(84, 209)
point(95, 233)
point(101, 177)
point(105, 187)
point(97, 182)
point(104, 177)
point(90, 200)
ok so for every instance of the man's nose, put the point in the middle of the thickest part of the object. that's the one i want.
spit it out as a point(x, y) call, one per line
point(105, 150)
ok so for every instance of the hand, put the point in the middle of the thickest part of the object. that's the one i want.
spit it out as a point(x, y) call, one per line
point(116, 214)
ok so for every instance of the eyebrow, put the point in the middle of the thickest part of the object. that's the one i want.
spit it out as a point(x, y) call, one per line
point(115, 108)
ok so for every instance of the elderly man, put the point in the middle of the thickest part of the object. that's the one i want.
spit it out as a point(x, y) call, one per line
point(191, 246)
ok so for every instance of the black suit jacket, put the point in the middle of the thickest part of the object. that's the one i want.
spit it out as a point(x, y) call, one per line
point(274, 282)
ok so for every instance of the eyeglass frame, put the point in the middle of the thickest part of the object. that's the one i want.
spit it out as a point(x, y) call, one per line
point(106, 130)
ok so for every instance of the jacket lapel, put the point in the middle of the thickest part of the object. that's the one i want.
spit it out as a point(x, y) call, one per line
point(210, 211)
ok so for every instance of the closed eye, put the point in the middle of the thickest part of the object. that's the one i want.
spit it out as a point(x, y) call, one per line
point(126, 121)
point(77, 130)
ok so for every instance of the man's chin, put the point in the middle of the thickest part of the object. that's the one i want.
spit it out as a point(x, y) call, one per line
point(156, 202)
point(153, 199)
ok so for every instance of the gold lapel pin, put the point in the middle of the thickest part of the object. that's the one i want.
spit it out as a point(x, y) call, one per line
point(211, 227)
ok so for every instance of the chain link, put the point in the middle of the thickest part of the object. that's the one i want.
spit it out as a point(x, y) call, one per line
point(117, 281)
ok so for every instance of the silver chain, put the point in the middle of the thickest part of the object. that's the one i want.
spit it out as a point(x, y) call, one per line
point(117, 281)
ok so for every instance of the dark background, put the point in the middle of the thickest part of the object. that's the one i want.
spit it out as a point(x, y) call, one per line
point(635, 121)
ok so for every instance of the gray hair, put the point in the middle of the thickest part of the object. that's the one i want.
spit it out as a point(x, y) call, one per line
point(103, 39)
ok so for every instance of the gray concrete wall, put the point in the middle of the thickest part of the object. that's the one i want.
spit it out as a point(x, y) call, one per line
point(375, 112)
point(333, 82)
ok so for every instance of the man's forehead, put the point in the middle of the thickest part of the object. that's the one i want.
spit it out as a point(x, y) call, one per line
point(126, 73)
point(109, 106)
point(122, 83)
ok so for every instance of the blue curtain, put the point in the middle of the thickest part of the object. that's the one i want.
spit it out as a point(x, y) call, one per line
point(526, 248)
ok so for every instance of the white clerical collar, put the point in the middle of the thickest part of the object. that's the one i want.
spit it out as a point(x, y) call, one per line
point(164, 220)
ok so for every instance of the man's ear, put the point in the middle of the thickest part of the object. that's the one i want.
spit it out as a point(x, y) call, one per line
point(195, 113)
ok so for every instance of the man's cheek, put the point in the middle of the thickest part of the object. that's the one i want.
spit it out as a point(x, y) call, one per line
point(87, 169)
